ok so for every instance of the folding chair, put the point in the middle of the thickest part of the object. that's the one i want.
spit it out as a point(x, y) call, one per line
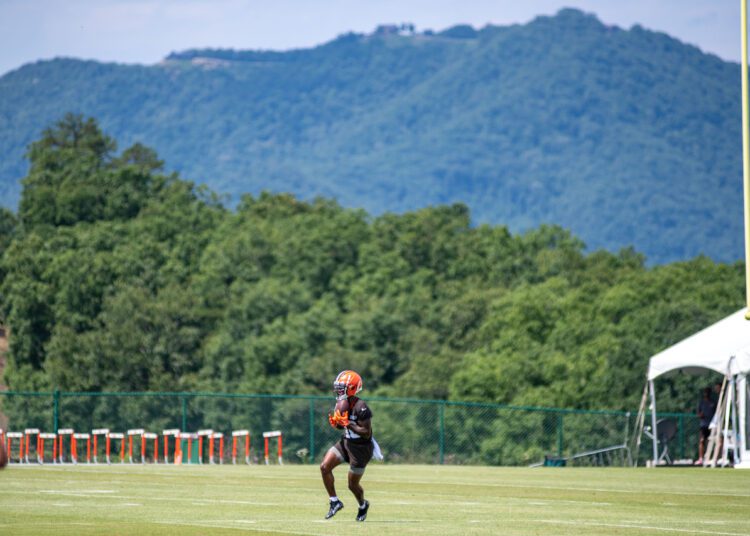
point(665, 431)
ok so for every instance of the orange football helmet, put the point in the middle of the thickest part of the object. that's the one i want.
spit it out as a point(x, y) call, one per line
point(347, 383)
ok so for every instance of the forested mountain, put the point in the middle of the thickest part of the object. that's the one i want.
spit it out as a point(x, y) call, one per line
point(115, 276)
point(622, 136)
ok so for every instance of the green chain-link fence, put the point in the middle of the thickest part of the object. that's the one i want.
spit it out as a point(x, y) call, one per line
point(409, 431)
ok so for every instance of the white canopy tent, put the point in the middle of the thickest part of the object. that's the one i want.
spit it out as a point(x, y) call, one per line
point(723, 347)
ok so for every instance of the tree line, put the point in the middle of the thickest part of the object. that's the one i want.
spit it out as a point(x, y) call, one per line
point(118, 276)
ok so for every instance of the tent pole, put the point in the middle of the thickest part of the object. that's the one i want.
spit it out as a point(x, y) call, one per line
point(714, 440)
point(654, 432)
point(742, 392)
point(735, 445)
point(745, 151)
point(640, 421)
point(725, 443)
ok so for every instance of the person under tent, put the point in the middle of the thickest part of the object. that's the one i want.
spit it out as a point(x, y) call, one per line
point(706, 411)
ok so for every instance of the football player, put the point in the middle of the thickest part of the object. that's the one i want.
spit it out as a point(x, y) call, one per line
point(355, 446)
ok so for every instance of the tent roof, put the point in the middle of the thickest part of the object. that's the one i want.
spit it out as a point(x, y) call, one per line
point(712, 348)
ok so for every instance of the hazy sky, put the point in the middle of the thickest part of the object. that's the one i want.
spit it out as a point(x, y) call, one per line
point(144, 31)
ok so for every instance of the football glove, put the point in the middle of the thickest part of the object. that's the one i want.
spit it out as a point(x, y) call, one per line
point(344, 419)
point(338, 419)
point(332, 421)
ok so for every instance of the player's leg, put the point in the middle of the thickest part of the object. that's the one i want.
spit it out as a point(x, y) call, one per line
point(702, 445)
point(355, 475)
point(360, 454)
point(332, 459)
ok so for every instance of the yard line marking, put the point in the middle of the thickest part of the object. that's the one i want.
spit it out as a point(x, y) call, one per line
point(212, 501)
point(637, 527)
point(570, 501)
point(50, 524)
point(86, 491)
point(213, 521)
point(71, 493)
point(450, 499)
point(232, 527)
point(566, 488)
point(172, 499)
point(427, 527)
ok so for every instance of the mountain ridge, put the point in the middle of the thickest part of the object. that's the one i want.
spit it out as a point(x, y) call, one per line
point(627, 137)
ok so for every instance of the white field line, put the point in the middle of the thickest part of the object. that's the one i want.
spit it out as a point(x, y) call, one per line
point(164, 499)
point(92, 492)
point(235, 527)
point(570, 501)
point(206, 484)
point(199, 501)
point(563, 488)
point(489, 503)
point(218, 501)
point(247, 521)
point(48, 524)
point(70, 493)
point(159, 485)
point(636, 527)
point(123, 505)
point(424, 526)
point(122, 469)
point(174, 471)
point(111, 494)
point(26, 505)
point(450, 498)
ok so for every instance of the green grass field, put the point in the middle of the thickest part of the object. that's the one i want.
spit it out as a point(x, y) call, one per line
point(430, 500)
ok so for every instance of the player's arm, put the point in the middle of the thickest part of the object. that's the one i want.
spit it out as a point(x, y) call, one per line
point(361, 428)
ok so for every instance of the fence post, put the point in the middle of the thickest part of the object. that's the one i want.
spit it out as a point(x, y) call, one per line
point(560, 434)
point(441, 413)
point(184, 413)
point(55, 411)
point(681, 424)
point(312, 430)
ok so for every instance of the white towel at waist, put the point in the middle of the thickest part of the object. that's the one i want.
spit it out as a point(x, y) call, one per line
point(376, 452)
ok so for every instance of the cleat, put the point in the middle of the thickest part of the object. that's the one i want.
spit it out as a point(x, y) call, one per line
point(362, 512)
point(335, 507)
